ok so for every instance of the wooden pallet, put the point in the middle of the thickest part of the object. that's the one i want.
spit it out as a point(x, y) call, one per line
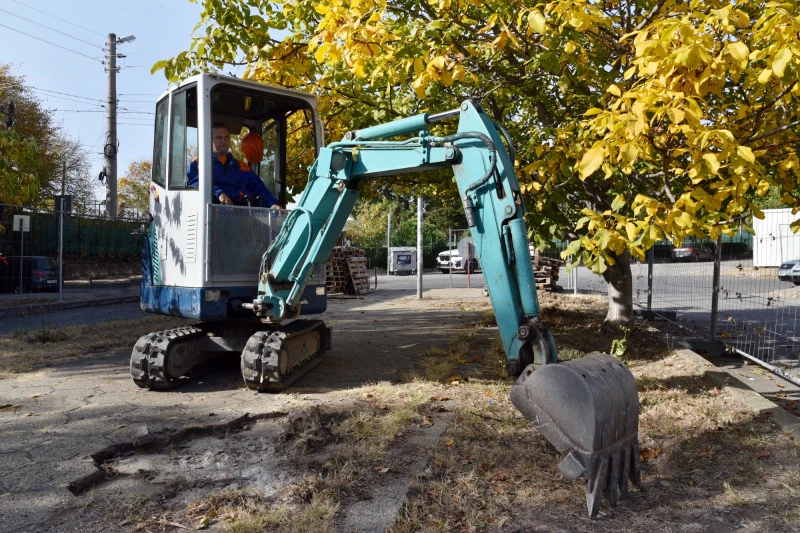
point(545, 271)
point(346, 271)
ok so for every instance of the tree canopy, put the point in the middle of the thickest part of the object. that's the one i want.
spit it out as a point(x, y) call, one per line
point(37, 158)
point(634, 120)
point(134, 188)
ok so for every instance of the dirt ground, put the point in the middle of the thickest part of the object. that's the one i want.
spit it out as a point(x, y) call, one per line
point(406, 426)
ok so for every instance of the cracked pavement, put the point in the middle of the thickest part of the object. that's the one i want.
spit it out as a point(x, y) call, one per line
point(56, 417)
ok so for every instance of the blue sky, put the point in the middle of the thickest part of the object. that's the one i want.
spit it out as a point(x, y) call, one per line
point(162, 29)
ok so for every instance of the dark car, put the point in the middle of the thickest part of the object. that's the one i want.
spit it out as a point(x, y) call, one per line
point(694, 251)
point(39, 274)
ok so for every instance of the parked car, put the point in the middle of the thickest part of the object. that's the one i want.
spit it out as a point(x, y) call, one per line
point(39, 274)
point(452, 259)
point(790, 271)
point(692, 252)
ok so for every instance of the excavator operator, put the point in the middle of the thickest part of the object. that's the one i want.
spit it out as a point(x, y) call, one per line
point(233, 179)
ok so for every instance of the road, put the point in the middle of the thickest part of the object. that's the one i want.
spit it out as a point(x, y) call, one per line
point(757, 313)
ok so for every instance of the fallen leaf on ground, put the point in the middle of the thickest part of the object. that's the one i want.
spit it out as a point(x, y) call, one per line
point(442, 398)
point(382, 469)
point(426, 421)
point(10, 407)
point(649, 453)
point(449, 442)
point(781, 395)
point(781, 385)
point(498, 489)
point(790, 406)
point(760, 453)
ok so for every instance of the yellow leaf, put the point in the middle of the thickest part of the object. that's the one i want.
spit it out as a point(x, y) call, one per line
point(418, 66)
point(591, 160)
point(711, 162)
point(449, 442)
point(746, 153)
point(321, 9)
point(781, 60)
point(630, 229)
point(570, 47)
point(676, 115)
point(319, 55)
point(359, 68)
point(500, 42)
point(765, 75)
point(762, 188)
point(739, 51)
point(614, 90)
point(537, 22)
point(593, 111)
point(629, 73)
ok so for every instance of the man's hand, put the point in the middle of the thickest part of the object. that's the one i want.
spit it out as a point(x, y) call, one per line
point(225, 199)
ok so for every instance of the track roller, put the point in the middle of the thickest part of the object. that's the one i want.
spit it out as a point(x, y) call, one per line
point(163, 360)
point(273, 360)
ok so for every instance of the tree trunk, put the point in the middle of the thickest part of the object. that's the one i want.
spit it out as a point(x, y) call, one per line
point(619, 282)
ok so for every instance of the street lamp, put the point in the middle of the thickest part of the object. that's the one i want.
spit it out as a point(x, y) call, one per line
point(126, 39)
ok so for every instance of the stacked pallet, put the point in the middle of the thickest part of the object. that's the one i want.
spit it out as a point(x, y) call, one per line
point(358, 274)
point(545, 271)
point(341, 277)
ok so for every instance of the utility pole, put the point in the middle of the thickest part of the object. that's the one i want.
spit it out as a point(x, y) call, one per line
point(110, 149)
point(388, 243)
point(419, 247)
point(63, 177)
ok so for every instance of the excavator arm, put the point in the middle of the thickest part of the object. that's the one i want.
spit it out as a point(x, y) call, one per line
point(492, 201)
point(588, 409)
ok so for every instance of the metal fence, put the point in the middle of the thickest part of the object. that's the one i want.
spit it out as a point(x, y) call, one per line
point(94, 247)
point(720, 299)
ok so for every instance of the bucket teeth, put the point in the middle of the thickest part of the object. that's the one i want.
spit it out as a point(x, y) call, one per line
point(588, 409)
point(610, 478)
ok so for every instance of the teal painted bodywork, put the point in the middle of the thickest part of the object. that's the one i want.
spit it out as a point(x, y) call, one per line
point(486, 182)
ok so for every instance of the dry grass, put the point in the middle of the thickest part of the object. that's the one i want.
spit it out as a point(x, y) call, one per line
point(27, 350)
point(718, 463)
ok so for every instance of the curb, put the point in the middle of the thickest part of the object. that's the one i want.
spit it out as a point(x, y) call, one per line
point(726, 380)
point(40, 309)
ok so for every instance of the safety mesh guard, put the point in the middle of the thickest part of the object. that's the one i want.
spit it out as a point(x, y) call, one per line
point(236, 240)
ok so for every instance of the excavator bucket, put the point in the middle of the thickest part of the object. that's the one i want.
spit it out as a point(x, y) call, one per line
point(589, 411)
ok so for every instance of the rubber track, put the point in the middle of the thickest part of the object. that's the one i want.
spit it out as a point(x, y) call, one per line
point(260, 358)
point(148, 358)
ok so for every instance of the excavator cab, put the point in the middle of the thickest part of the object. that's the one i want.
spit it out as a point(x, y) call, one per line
point(204, 257)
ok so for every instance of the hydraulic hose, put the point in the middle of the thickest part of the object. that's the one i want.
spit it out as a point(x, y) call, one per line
point(489, 144)
point(512, 152)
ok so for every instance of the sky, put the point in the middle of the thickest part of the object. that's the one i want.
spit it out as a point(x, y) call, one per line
point(76, 31)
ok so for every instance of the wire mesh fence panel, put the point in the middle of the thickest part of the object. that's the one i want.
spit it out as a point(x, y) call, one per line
point(94, 247)
point(759, 308)
point(756, 312)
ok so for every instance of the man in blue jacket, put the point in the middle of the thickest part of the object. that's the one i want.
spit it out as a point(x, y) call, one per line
point(233, 180)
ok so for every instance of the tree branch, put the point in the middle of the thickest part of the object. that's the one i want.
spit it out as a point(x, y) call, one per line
point(773, 132)
point(650, 15)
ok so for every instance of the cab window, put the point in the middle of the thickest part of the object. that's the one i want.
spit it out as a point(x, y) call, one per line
point(159, 174)
point(184, 138)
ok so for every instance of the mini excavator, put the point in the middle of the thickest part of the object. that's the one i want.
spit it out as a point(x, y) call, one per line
point(249, 273)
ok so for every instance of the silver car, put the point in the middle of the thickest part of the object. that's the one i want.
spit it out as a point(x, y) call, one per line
point(790, 271)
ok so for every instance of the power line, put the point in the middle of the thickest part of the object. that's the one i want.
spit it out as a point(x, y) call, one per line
point(66, 94)
point(48, 42)
point(49, 28)
point(57, 18)
point(139, 94)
